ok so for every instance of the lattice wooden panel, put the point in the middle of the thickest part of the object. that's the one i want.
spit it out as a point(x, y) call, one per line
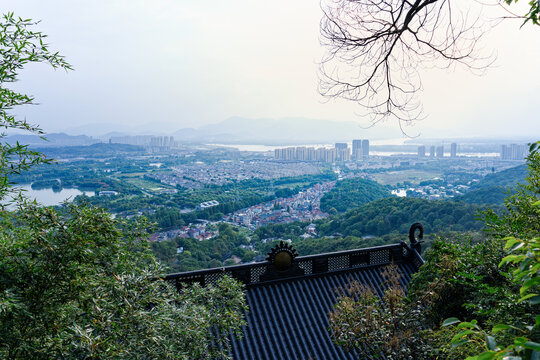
point(212, 278)
point(379, 257)
point(307, 266)
point(256, 273)
point(338, 263)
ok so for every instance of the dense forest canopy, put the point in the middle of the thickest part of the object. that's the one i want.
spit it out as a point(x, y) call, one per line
point(352, 193)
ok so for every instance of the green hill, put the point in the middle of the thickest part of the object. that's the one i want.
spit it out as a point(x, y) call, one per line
point(506, 178)
point(97, 150)
point(352, 193)
point(493, 188)
point(397, 214)
point(491, 195)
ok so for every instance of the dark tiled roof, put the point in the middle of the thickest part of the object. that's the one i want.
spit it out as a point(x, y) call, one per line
point(288, 311)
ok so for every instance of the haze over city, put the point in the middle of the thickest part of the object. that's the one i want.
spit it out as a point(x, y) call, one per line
point(157, 67)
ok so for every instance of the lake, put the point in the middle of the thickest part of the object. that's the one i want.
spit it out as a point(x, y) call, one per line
point(48, 197)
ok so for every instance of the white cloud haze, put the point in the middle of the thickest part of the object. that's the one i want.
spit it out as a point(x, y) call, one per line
point(186, 63)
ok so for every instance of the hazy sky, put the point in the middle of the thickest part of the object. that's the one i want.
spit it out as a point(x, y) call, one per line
point(169, 64)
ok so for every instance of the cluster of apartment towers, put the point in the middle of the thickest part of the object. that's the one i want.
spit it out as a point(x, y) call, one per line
point(340, 152)
point(162, 142)
point(437, 151)
point(513, 152)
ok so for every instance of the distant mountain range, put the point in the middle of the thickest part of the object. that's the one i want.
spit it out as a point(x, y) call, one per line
point(238, 130)
point(59, 139)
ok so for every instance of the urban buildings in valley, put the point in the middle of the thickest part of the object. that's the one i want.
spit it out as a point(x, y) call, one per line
point(437, 151)
point(513, 152)
point(207, 204)
point(148, 141)
point(453, 150)
point(357, 149)
point(304, 206)
point(198, 175)
point(340, 152)
point(140, 140)
point(421, 151)
point(365, 148)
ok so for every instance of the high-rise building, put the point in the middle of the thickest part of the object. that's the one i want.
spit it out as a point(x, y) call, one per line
point(162, 142)
point(432, 151)
point(319, 154)
point(342, 152)
point(330, 155)
point(142, 140)
point(518, 151)
point(301, 153)
point(311, 154)
point(453, 150)
point(421, 151)
point(357, 149)
point(504, 152)
point(290, 153)
point(365, 148)
point(513, 152)
point(440, 151)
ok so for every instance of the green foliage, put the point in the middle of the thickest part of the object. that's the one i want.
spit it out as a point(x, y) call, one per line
point(511, 331)
point(376, 326)
point(461, 279)
point(204, 253)
point(353, 193)
point(491, 195)
point(508, 178)
point(397, 214)
point(521, 216)
point(493, 189)
point(533, 14)
point(284, 231)
point(81, 285)
point(525, 256)
point(19, 46)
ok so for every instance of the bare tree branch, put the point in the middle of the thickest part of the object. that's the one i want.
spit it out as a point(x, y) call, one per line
point(376, 47)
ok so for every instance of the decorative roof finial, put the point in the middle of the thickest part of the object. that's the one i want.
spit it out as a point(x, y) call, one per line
point(282, 256)
point(416, 243)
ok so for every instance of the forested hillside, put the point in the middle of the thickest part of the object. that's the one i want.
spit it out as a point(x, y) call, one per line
point(397, 214)
point(491, 195)
point(506, 178)
point(494, 188)
point(202, 254)
point(352, 193)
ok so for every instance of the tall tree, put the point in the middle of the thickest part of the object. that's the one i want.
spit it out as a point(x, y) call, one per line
point(20, 44)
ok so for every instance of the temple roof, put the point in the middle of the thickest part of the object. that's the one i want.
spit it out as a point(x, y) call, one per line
point(289, 297)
